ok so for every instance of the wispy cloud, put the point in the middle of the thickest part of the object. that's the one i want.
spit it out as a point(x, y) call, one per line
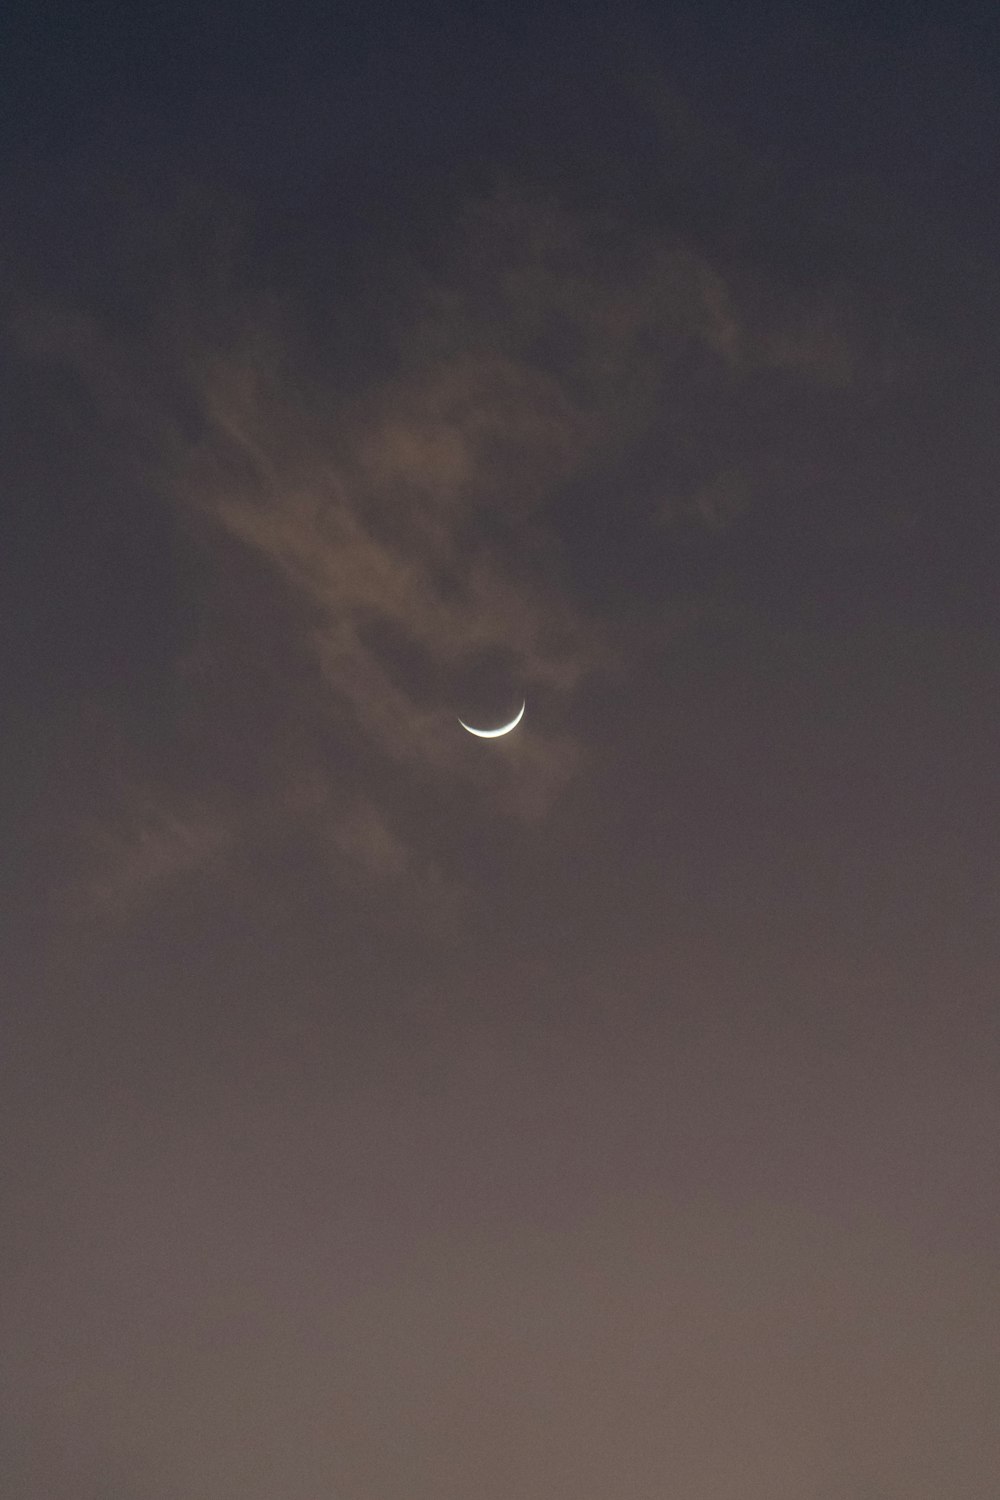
point(142, 847)
point(385, 549)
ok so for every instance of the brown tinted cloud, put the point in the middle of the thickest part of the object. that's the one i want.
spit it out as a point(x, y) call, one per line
point(395, 542)
point(384, 549)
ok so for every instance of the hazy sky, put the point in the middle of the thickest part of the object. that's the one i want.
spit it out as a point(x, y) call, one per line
point(611, 1111)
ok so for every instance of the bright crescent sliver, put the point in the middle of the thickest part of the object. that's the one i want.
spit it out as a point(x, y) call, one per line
point(493, 734)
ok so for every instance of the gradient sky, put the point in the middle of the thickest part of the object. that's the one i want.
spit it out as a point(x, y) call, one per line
point(609, 1112)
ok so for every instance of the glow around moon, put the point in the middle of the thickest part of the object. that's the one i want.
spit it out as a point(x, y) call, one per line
point(494, 734)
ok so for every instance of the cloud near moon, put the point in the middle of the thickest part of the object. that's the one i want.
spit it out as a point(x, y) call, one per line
point(373, 548)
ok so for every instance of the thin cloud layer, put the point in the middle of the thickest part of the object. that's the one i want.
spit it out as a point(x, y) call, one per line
point(405, 528)
point(151, 848)
point(392, 551)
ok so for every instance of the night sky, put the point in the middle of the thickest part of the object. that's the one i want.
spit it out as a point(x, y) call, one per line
point(609, 1111)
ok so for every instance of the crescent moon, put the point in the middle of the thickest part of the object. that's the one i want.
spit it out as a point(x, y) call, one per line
point(494, 734)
